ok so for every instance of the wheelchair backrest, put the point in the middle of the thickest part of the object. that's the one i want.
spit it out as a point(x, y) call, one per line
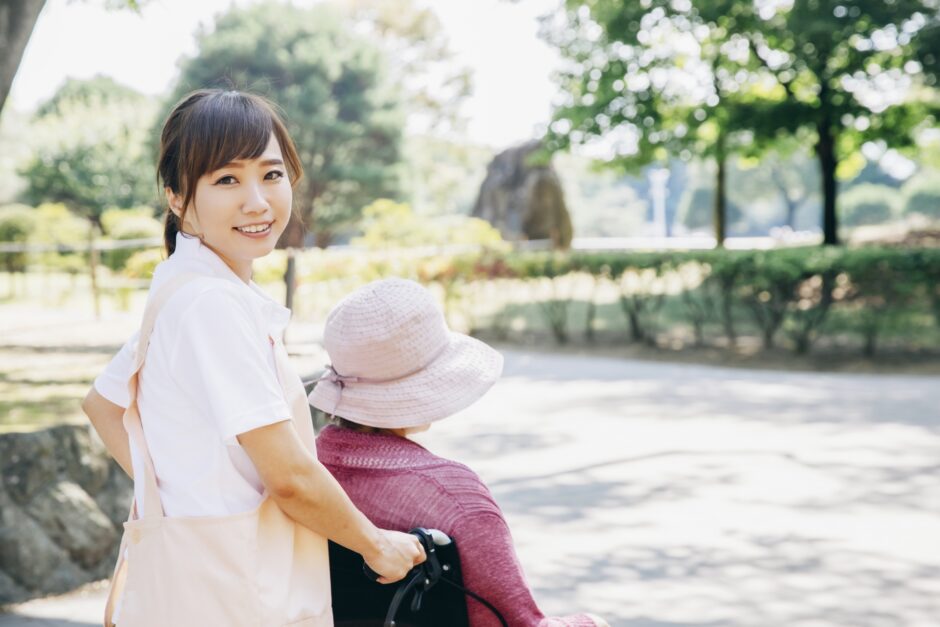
point(360, 602)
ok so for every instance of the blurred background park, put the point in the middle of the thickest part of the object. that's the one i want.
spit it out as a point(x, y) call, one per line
point(744, 183)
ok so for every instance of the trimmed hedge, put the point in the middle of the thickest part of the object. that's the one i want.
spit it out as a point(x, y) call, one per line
point(789, 293)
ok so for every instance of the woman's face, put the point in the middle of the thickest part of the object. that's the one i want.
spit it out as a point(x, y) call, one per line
point(241, 209)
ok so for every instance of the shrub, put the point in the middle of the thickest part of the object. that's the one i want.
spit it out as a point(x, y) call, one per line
point(921, 195)
point(127, 224)
point(867, 204)
point(17, 223)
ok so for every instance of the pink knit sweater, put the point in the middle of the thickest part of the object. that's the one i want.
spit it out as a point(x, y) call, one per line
point(399, 484)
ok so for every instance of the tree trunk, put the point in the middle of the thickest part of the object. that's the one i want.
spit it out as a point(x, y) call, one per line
point(17, 19)
point(93, 267)
point(825, 151)
point(791, 213)
point(322, 238)
point(292, 240)
point(721, 196)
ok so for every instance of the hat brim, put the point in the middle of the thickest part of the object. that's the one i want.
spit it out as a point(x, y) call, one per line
point(461, 374)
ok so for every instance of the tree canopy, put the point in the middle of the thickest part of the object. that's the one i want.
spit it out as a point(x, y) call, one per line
point(332, 87)
point(847, 72)
point(90, 137)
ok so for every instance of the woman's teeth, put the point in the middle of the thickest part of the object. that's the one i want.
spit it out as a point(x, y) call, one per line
point(260, 228)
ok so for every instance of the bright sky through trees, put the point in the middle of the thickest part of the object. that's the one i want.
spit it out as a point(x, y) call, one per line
point(497, 40)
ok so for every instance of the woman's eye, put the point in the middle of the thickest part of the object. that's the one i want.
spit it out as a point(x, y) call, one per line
point(274, 175)
point(226, 180)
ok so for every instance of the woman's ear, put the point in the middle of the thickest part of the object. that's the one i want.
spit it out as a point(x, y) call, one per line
point(173, 201)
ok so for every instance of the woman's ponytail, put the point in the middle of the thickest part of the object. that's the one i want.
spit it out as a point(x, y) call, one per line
point(171, 227)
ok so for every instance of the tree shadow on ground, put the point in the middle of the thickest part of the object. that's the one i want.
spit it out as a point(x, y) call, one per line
point(771, 581)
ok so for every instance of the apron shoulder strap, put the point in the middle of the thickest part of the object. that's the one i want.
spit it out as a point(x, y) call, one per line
point(153, 507)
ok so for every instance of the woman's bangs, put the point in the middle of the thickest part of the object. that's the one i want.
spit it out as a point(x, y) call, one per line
point(235, 129)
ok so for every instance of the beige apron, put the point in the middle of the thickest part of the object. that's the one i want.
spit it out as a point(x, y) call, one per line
point(257, 568)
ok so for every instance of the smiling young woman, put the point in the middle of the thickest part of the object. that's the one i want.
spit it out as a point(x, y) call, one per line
point(244, 182)
point(204, 410)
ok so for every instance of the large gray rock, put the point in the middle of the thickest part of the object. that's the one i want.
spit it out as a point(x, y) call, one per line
point(28, 463)
point(72, 519)
point(10, 591)
point(524, 200)
point(116, 496)
point(30, 557)
point(82, 457)
point(62, 502)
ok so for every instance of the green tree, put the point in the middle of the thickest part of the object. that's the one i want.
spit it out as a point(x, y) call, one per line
point(847, 71)
point(330, 83)
point(91, 154)
point(656, 78)
point(90, 149)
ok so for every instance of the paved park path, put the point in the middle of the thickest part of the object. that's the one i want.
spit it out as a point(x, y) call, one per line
point(664, 495)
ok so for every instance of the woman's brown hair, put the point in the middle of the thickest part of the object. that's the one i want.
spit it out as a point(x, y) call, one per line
point(208, 129)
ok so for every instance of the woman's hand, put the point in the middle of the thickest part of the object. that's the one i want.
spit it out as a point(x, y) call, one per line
point(600, 622)
point(396, 554)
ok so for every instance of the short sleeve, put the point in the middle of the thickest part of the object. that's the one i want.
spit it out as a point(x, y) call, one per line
point(112, 382)
point(220, 356)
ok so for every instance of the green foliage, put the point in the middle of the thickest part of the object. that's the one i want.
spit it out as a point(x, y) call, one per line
point(868, 204)
point(388, 224)
point(141, 264)
point(127, 224)
point(791, 297)
point(876, 284)
point(90, 149)
point(922, 196)
point(58, 226)
point(711, 78)
point(16, 225)
point(270, 268)
point(332, 88)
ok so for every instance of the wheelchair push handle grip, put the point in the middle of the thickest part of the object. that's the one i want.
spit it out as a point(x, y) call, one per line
point(429, 539)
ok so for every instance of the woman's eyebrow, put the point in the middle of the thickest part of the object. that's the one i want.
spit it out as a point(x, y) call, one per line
point(240, 163)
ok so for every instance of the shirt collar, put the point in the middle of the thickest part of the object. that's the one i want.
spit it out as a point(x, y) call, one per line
point(192, 256)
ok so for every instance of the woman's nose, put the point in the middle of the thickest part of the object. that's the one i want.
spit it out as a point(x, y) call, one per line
point(255, 200)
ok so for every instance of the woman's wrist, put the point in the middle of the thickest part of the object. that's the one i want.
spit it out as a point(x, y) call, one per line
point(374, 543)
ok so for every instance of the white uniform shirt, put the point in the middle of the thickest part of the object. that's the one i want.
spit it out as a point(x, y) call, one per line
point(208, 376)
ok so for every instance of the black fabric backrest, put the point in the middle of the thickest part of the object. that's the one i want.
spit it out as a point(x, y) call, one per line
point(360, 602)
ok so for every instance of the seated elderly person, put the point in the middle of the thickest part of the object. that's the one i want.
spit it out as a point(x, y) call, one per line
point(397, 368)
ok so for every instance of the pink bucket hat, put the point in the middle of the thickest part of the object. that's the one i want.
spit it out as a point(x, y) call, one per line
point(395, 362)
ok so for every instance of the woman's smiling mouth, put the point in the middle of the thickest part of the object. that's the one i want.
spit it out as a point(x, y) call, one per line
point(255, 230)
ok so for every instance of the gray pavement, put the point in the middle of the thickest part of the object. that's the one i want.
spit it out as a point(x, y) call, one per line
point(663, 495)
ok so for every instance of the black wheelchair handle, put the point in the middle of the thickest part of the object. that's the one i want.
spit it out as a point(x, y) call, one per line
point(429, 538)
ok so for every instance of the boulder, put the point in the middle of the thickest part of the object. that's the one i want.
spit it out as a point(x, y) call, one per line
point(28, 463)
point(30, 557)
point(10, 591)
point(523, 198)
point(81, 456)
point(116, 496)
point(72, 519)
point(62, 504)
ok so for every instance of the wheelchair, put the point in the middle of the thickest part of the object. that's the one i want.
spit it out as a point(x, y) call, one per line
point(430, 595)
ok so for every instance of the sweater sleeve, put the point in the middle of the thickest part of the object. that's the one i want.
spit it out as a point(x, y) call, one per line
point(492, 570)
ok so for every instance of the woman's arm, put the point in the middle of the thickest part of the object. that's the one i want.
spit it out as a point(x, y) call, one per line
point(492, 570)
point(106, 418)
point(305, 490)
